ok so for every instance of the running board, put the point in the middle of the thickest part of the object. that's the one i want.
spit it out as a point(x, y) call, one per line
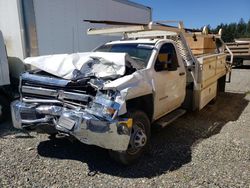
point(169, 118)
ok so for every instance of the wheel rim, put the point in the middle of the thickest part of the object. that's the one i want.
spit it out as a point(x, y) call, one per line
point(138, 139)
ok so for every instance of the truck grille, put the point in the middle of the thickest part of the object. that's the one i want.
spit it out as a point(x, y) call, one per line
point(30, 91)
point(39, 86)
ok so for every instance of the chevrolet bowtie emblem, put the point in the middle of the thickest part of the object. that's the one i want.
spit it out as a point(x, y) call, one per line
point(60, 94)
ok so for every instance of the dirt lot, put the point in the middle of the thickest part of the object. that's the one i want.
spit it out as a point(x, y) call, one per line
point(210, 148)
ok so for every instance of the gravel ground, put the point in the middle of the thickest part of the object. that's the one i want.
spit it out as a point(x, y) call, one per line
point(210, 148)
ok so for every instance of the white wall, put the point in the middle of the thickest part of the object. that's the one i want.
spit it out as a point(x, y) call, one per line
point(10, 25)
point(4, 69)
point(60, 26)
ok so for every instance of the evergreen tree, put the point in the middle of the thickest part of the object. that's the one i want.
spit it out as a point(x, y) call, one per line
point(241, 28)
point(233, 30)
point(247, 35)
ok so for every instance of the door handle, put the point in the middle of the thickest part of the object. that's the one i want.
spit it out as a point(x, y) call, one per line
point(182, 73)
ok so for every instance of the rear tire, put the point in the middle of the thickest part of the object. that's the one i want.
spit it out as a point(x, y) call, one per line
point(213, 101)
point(221, 84)
point(139, 140)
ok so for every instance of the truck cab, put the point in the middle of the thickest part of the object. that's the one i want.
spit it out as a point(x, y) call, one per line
point(165, 67)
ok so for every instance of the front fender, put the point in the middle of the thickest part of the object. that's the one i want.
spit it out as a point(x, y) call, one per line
point(131, 86)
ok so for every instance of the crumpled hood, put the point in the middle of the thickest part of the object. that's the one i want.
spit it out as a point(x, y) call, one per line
point(99, 64)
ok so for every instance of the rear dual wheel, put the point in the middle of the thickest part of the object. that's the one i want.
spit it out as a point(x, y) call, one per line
point(139, 139)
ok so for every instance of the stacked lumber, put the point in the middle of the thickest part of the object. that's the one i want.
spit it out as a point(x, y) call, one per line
point(239, 48)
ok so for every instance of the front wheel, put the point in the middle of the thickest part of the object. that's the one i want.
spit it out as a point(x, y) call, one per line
point(139, 139)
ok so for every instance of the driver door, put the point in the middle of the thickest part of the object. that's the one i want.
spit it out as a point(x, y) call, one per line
point(169, 81)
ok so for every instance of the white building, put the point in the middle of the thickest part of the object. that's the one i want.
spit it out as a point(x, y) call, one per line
point(40, 27)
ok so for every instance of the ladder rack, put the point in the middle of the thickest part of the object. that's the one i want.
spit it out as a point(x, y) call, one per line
point(152, 30)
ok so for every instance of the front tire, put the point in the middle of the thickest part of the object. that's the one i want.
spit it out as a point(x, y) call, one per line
point(139, 139)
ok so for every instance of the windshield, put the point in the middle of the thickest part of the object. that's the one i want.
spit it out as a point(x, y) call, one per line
point(139, 52)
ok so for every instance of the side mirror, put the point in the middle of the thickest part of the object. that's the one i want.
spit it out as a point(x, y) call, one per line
point(171, 66)
point(161, 62)
point(164, 62)
point(160, 66)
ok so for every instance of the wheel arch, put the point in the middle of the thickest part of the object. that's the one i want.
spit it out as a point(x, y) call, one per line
point(144, 103)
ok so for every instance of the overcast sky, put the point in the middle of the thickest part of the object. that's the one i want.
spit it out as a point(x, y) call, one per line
point(197, 13)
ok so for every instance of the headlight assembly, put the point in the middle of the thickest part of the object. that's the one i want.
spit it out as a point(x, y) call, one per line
point(103, 106)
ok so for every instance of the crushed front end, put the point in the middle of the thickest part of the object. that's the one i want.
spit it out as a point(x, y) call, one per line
point(78, 108)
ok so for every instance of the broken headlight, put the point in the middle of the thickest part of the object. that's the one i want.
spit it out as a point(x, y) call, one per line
point(104, 106)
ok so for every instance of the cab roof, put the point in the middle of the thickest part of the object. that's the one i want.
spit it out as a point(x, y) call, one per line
point(145, 41)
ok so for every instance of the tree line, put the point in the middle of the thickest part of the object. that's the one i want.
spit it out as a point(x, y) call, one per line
point(233, 31)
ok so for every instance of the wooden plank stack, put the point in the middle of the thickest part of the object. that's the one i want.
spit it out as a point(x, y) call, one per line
point(239, 48)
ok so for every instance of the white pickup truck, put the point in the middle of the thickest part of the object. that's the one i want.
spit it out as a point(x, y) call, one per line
point(110, 97)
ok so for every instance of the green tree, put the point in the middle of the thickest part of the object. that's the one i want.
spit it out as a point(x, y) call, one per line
point(247, 34)
point(232, 31)
point(241, 28)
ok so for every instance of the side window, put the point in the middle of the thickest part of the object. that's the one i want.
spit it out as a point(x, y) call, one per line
point(167, 58)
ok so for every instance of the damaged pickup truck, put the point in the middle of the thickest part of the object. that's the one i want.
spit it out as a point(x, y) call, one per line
point(111, 96)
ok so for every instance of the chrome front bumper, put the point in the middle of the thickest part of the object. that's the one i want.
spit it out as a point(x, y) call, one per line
point(84, 126)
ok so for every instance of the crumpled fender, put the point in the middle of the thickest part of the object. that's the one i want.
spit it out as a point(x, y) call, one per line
point(130, 87)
